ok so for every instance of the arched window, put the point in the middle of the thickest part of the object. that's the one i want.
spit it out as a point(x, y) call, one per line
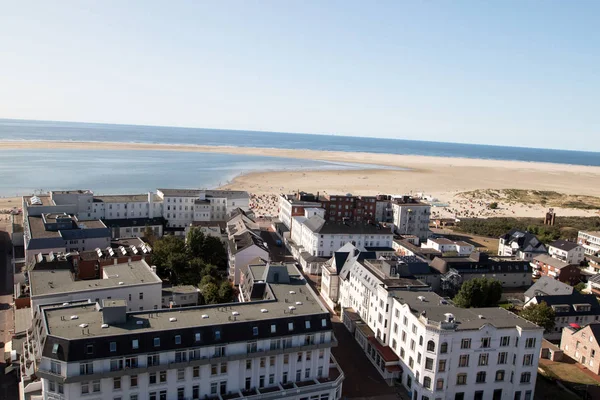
point(427, 382)
point(444, 347)
point(420, 340)
point(431, 345)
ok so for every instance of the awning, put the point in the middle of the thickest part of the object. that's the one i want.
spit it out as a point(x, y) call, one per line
point(385, 352)
point(393, 368)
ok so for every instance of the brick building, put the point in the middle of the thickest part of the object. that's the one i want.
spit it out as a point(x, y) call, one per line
point(545, 265)
point(582, 345)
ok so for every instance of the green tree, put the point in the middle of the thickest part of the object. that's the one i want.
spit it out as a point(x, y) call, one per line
point(163, 248)
point(194, 242)
point(149, 235)
point(580, 287)
point(210, 292)
point(479, 292)
point(494, 205)
point(540, 314)
point(213, 252)
point(225, 292)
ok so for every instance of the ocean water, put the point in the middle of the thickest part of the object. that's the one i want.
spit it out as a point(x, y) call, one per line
point(115, 172)
point(43, 130)
point(23, 171)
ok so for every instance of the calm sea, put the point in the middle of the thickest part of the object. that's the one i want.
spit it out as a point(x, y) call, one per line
point(140, 171)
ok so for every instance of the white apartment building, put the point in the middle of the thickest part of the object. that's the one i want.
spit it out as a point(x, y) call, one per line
point(321, 238)
point(590, 240)
point(411, 217)
point(134, 281)
point(523, 245)
point(290, 206)
point(266, 349)
point(436, 350)
point(569, 252)
point(444, 245)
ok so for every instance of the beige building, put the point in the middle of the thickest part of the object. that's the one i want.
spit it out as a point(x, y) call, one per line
point(582, 345)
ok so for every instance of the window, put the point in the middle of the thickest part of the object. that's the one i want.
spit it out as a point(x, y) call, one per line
point(273, 328)
point(89, 349)
point(483, 359)
point(255, 330)
point(116, 365)
point(502, 357)
point(414, 329)
point(505, 341)
point(444, 348)
point(135, 344)
point(252, 347)
point(431, 345)
point(299, 359)
point(55, 367)
point(500, 375)
point(439, 384)
point(525, 377)
point(272, 360)
point(113, 347)
point(411, 362)
point(217, 334)
point(156, 342)
point(141, 295)
point(195, 392)
point(402, 353)
point(527, 359)
point(463, 360)
point(153, 359)
point(286, 358)
point(428, 363)
point(441, 365)
point(486, 342)
point(52, 386)
point(527, 395)
point(298, 375)
point(290, 326)
point(461, 379)
point(465, 344)
point(162, 376)
point(177, 339)
point(117, 383)
point(427, 382)
point(307, 324)
point(271, 379)
point(85, 387)
point(321, 354)
point(403, 336)
point(96, 386)
point(529, 343)
point(480, 377)
point(180, 393)
point(412, 344)
point(180, 356)
point(420, 340)
point(307, 373)
point(197, 337)
point(86, 368)
point(196, 372)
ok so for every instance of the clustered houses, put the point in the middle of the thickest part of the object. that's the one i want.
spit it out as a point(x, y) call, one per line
point(545, 265)
point(433, 349)
point(276, 345)
point(566, 251)
point(590, 241)
point(244, 243)
point(523, 245)
point(576, 308)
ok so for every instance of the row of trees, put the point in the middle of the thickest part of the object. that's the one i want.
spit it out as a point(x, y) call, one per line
point(198, 260)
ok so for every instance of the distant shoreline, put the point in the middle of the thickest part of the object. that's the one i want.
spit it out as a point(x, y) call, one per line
point(408, 162)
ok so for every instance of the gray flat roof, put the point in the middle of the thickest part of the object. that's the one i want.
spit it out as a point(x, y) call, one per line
point(295, 294)
point(122, 198)
point(466, 318)
point(61, 281)
point(180, 289)
point(45, 199)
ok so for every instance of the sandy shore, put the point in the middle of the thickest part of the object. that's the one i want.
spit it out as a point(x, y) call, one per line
point(440, 177)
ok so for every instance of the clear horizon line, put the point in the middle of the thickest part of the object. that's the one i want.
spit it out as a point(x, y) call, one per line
point(297, 133)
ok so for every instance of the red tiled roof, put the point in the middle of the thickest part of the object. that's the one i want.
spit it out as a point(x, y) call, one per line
point(384, 351)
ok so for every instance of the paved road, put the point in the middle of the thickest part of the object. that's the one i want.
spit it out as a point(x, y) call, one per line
point(8, 384)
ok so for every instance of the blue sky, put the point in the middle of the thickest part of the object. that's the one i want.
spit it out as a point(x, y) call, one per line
point(520, 73)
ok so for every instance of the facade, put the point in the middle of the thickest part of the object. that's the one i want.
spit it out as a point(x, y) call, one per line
point(62, 233)
point(242, 249)
point(547, 286)
point(293, 205)
point(545, 265)
point(180, 296)
point(590, 241)
point(566, 251)
point(322, 238)
point(260, 349)
point(582, 345)
point(593, 265)
point(444, 245)
point(575, 308)
point(593, 285)
point(523, 245)
point(411, 217)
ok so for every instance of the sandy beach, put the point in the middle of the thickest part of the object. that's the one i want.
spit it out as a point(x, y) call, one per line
point(439, 177)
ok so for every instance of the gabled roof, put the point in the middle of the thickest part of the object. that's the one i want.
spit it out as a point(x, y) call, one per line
point(570, 300)
point(564, 245)
point(549, 260)
point(546, 286)
point(526, 241)
point(247, 239)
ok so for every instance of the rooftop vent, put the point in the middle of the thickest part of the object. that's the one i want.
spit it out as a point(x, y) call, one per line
point(204, 316)
point(421, 298)
point(264, 310)
point(481, 316)
point(83, 325)
point(121, 283)
point(292, 292)
point(449, 317)
point(292, 307)
point(74, 317)
point(65, 304)
point(235, 313)
point(172, 319)
point(298, 303)
point(104, 326)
